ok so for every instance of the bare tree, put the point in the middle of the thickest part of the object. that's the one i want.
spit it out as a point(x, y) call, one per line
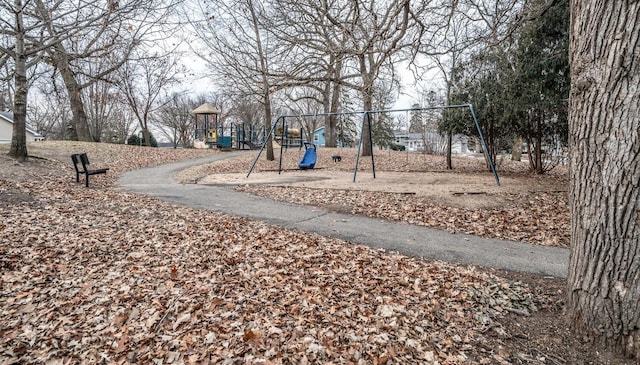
point(143, 80)
point(456, 40)
point(50, 115)
point(376, 33)
point(105, 31)
point(175, 121)
point(315, 60)
point(234, 48)
point(604, 114)
point(22, 45)
point(103, 107)
point(68, 33)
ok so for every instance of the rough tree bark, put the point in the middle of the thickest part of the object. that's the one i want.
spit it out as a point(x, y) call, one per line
point(19, 137)
point(61, 62)
point(264, 70)
point(332, 102)
point(604, 122)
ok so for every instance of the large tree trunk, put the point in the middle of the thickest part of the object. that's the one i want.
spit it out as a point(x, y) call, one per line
point(146, 136)
point(604, 117)
point(367, 147)
point(266, 99)
point(329, 131)
point(334, 105)
point(19, 137)
point(538, 164)
point(516, 154)
point(268, 126)
point(367, 101)
point(74, 90)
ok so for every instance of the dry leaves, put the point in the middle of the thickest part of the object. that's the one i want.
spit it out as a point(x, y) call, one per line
point(544, 221)
point(99, 275)
point(535, 217)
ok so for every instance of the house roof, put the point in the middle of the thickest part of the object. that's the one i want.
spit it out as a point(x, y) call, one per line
point(205, 108)
point(409, 135)
point(9, 118)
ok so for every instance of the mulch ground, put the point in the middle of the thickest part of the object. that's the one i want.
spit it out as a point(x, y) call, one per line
point(98, 275)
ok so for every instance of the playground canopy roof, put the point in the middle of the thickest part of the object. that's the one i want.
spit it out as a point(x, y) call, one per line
point(205, 108)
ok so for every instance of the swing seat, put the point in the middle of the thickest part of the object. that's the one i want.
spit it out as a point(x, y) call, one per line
point(309, 158)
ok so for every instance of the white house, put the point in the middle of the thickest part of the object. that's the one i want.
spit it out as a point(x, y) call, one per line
point(411, 141)
point(436, 143)
point(6, 130)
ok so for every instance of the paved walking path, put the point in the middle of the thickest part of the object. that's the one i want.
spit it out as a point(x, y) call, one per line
point(159, 181)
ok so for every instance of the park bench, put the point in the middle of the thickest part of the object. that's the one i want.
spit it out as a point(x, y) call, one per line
point(83, 160)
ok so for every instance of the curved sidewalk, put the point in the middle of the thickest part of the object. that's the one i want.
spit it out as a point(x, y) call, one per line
point(159, 181)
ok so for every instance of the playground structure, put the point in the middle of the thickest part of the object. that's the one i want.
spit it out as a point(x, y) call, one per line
point(366, 121)
point(211, 132)
point(289, 137)
point(208, 131)
point(247, 137)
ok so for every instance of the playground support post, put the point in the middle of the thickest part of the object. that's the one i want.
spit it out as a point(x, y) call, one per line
point(264, 143)
point(366, 118)
point(282, 142)
point(484, 145)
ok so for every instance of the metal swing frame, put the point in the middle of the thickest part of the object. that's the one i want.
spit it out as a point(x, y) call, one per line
point(366, 118)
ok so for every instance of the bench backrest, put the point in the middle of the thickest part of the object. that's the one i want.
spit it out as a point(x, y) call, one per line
point(85, 160)
point(76, 160)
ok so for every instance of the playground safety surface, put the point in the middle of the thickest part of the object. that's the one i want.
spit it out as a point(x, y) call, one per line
point(453, 189)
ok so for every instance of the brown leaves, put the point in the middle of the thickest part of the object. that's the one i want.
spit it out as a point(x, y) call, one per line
point(99, 275)
point(173, 274)
point(532, 216)
point(545, 220)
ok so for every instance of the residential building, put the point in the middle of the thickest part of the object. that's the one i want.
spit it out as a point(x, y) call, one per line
point(431, 142)
point(6, 130)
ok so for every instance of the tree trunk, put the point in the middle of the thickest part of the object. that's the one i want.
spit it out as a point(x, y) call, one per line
point(334, 106)
point(266, 100)
point(367, 101)
point(516, 153)
point(367, 148)
point(61, 62)
point(19, 137)
point(604, 114)
point(146, 136)
point(538, 167)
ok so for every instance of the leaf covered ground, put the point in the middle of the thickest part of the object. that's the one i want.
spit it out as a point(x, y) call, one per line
point(98, 275)
point(526, 208)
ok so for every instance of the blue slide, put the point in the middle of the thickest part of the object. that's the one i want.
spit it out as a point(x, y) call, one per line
point(309, 159)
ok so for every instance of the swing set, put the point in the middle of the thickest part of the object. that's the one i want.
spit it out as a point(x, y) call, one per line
point(366, 121)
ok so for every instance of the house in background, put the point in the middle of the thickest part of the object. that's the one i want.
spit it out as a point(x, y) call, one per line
point(318, 137)
point(6, 130)
point(416, 142)
point(320, 140)
point(411, 141)
point(460, 144)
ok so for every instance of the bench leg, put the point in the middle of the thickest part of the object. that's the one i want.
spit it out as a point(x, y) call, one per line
point(86, 180)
